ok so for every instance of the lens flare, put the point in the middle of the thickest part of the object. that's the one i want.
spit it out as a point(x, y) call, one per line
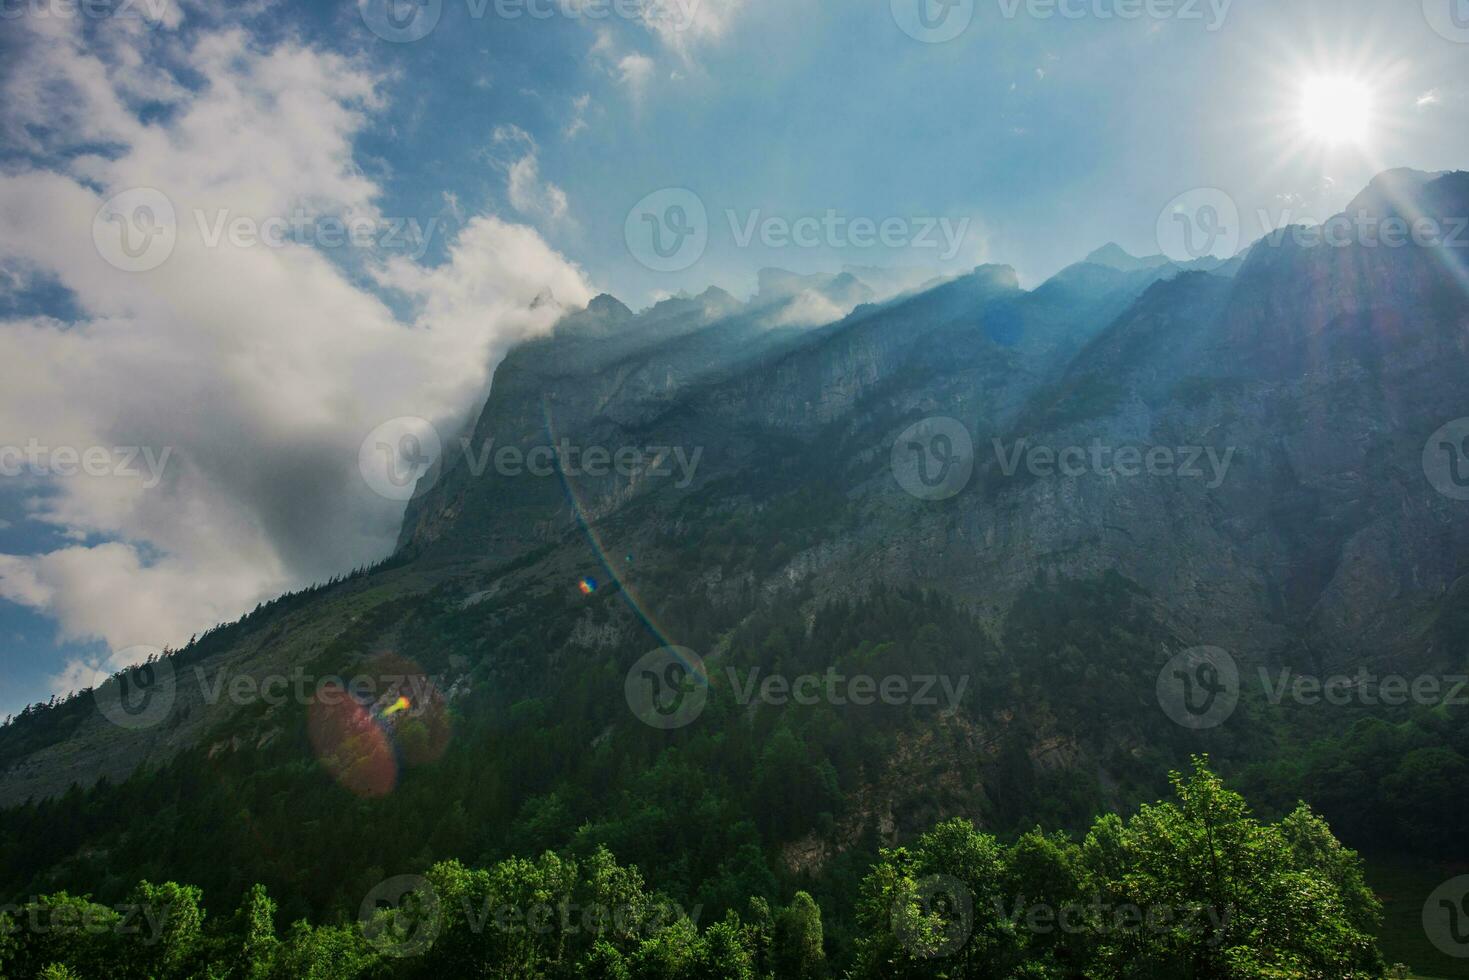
point(626, 591)
point(351, 744)
point(365, 731)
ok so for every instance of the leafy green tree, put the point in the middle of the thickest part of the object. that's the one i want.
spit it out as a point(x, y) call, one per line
point(1043, 878)
point(63, 930)
point(604, 962)
point(727, 952)
point(500, 921)
point(1312, 846)
point(255, 945)
point(938, 906)
point(670, 953)
point(168, 937)
point(798, 952)
point(1190, 889)
point(1207, 891)
point(324, 953)
point(760, 935)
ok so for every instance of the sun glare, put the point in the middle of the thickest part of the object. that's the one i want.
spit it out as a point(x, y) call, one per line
point(1336, 110)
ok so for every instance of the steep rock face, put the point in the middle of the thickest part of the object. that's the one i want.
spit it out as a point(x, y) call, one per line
point(604, 369)
point(1323, 370)
point(732, 387)
point(1291, 393)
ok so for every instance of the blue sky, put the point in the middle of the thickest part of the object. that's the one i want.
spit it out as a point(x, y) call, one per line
point(1050, 136)
point(524, 144)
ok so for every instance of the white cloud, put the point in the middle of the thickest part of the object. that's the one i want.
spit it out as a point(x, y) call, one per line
point(532, 196)
point(680, 26)
point(683, 24)
point(528, 193)
point(634, 72)
point(511, 133)
point(261, 368)
point(809, 308)
point(579, 106)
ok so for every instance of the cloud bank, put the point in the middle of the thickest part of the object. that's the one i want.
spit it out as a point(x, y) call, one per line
point(257, 353)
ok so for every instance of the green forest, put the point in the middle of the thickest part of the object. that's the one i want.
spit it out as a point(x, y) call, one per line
point(1191, 887)
point(711, 821)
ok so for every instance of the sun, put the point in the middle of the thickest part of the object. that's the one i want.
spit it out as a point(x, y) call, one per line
point(1336, 110)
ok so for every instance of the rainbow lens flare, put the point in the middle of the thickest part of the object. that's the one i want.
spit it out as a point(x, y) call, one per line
point(366, 731)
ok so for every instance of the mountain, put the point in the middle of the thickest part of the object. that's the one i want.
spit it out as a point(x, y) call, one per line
point(1277, 409)
point(1114, 256)
point(1408, 192)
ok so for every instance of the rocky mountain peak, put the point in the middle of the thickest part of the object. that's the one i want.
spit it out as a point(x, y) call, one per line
point(610, 307)
point(1114, 256)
